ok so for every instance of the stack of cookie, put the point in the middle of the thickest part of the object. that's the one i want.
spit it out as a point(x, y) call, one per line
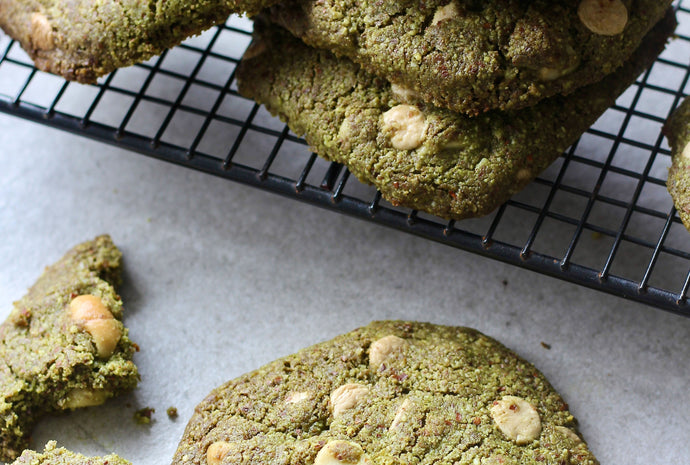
point(449, 107)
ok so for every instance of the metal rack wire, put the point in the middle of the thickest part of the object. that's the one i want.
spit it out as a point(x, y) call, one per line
point(599, 217)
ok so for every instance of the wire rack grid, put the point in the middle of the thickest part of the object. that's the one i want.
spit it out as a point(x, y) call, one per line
point(600, 216)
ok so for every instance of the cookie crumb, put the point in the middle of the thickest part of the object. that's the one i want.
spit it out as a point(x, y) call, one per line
point(172, 412)
point(143, 416)
point(545, 345)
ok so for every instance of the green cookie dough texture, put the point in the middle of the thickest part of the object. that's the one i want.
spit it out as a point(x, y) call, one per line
point(53, 455)
point(63, 345)
point(472, 56)
point(677, 129)
point(418, 156)
point(84, 39)
point(392, 392)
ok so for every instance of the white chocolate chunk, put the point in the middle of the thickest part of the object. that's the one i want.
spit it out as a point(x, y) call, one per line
point(90, 313)
point(404, 94)
point(517, 419)
point(347, 396)
point(407, 125)
point(603, 17)
point(342, 453)
point(401, 414)
point(445, 12)
point(41, 32)
point(568, 433)
point(217, 451)
point(295, 397)
point(77, 398)
point(382, 348)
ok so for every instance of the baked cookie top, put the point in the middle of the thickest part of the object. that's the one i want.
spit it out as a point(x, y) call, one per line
point(420, 156)
point(63, 345)
point(392, 392)
point(472, 56)
point(677, 129)
point(84, 39)
point(53, 455)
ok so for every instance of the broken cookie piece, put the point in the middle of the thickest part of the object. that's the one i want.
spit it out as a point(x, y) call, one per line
point(392, 392)
point(63, 345)
point(82, 39)
point(53, 455)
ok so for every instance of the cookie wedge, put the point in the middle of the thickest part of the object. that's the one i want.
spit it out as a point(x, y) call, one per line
point(53, 455)
point(471, 56)
point(83, 39)
point(420, 156)
point(389, 393)
point(63, 346)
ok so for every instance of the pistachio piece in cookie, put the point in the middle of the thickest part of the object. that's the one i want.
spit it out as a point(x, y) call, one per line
point(517, 419)
point(603, 17)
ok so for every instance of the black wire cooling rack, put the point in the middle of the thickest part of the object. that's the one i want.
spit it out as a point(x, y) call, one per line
point(600, 216)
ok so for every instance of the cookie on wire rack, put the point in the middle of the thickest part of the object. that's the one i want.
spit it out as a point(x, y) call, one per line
point(419, 156)
point(83, 39)
point(391, 392)
point(63, 345)
point(677, 130)
point(472, 56)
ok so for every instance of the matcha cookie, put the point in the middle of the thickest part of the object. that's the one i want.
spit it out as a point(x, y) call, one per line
point(418, 156)
point(392, 392)
point(83, 39)
point(63, 345)
point(677, 129)
point(472, 56)
point(53, 455)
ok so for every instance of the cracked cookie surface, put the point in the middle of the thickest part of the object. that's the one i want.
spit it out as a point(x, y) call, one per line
point(420, 156)
point(63, 345)
point(471, 56)
point(84, 39)
point(392, 392)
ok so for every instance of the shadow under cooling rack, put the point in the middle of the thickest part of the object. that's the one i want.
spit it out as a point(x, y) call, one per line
point(600, 216)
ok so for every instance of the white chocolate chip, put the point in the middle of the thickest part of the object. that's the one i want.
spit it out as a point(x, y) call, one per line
point(568, 433)
point(90, 314)
point(401, 414)
point(347, 396)
point(603, 17)
point(106, 334)
point(404, 94)
point(41, 32)
point(294, 397)
point(407, 124)
point(217, 451)
point(342, 453)
point(382, 348)
point(686, 151)
point(517, 419)
point(445, 12)
point(83, 398)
